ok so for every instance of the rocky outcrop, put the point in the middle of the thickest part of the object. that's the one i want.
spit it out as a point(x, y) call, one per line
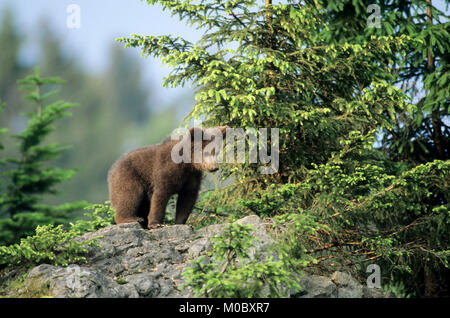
point(133, 262)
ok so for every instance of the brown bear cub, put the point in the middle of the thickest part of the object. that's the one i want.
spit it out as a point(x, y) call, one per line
point(142, 181)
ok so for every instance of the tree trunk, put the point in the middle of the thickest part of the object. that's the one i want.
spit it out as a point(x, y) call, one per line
point(430, 286)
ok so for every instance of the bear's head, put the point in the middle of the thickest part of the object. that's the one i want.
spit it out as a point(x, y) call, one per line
point(199, 148)
point(206, 143)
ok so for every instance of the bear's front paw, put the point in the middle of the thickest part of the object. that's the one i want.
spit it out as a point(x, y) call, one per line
point(155, 226)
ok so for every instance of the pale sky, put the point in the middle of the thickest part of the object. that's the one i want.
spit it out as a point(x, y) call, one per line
point(102, 21)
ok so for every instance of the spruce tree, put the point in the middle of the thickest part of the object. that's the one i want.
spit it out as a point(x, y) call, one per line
point(422, 134)
point(30, 176)
point(261, 65)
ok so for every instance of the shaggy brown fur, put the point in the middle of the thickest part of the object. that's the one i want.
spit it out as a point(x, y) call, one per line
point(142, 181)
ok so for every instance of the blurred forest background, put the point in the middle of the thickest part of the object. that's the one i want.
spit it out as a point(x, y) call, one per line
point(118, 109)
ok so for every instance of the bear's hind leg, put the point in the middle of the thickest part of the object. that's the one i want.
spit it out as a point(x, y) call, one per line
point(127, 201)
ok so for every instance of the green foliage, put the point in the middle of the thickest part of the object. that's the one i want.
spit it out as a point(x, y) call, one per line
point(294, 230)
point(101, 216)
point(233, 244)
point(422, 133)
point(29, 177)
point(355, 213)
point(56, 245)
point(50, 244)
point(234, 274)
point(24, 224)
point(274, 202)
point(398, 289)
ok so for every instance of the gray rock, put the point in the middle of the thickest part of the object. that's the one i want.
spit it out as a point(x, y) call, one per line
point(134, 262)
point(77, 281)
point(199, 247)
point(344, 279)
point(376, 293)
point(316, 286)
point(172, 233)
point(348, 286)
point(350, 292)
point(144, 284)
point(211, 230)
